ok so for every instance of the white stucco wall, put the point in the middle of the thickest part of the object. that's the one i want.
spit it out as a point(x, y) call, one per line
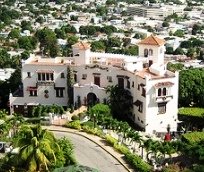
point(156, 121)
point(158, 52)
point(32, 82)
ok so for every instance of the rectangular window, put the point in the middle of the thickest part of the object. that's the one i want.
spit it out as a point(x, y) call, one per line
point(28, 75)
point(84, 76)
point(97, 80)
point(39, 76)
point(161, 108)
point(133, 84)
point(128, 84)
point(143, 92)
point(75, 77)
point(47, 76)
point(109, 78)
point(140, 107)
point(52, 76)
point(33, 93)
point(121, 82)
point(62, 75)
point(138, 87)
point(59, 91)
point(43, 76)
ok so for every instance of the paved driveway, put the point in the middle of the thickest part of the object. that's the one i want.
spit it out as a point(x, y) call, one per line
point(90, 154)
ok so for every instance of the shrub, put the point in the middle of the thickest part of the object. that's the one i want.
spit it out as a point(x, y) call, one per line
point(193, 137)
point(94, 131)
point(33, 120)
point(111, 140)
point(121, 148)
point(74, 118)
point(137, 163)
point(198, 168)
point(88, 123)
point(74, 124)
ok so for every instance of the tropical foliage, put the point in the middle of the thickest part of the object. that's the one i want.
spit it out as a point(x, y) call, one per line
point(38, 150)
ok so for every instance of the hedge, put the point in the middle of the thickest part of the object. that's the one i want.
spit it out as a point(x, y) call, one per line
point(94, 131)
point(137, 162)
point(194, 111)
point(74, 124)
point(193, 137)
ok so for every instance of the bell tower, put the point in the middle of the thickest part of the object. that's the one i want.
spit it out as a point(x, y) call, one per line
point(81, 53)
point(152, 48)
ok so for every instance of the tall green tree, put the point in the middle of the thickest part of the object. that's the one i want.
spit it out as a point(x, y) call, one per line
point(120, 101)
point(70, 83)
point(48, 41)
point(191, 87)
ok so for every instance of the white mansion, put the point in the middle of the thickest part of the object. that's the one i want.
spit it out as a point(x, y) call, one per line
point(153, 87)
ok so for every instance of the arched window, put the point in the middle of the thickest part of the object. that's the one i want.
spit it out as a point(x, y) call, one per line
point(159, 92)
point(150, 52)
point(146, 52)
point(164, 91)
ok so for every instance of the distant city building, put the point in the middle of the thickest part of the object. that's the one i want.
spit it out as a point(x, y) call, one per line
point(154, 89)
point(155, 11)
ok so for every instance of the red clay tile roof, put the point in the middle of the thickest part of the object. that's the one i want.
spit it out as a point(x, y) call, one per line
point(82, 45)
point(152, 40)
point(164, 84)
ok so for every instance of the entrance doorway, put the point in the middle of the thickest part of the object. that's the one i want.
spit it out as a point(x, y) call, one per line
point(91, 99)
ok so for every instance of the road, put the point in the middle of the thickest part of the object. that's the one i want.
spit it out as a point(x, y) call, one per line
point(90, 154)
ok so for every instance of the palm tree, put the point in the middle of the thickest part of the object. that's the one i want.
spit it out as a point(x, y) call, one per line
point(124, 128)
point(148, 147)
point(166, 148)
point(137, 138)
point(36, 148)
point(154, 149)
point(169, 149)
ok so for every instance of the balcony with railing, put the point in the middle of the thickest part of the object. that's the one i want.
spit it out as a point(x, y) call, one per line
point(164, 98)
point(45, 83)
